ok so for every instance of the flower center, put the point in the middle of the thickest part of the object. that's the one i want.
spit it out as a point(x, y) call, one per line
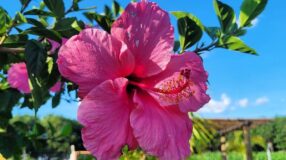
point(173, 89)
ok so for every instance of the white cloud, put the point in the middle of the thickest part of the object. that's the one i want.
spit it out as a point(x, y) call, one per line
point(243, 102)
point(254, 22)
point(261, 101)
point(217, 106)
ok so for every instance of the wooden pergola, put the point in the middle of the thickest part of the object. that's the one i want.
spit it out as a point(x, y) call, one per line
point(225, 126)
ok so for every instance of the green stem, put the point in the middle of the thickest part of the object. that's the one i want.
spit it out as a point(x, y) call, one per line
point(207, 48)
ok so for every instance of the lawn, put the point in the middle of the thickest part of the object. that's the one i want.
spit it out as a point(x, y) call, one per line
point(281, 155)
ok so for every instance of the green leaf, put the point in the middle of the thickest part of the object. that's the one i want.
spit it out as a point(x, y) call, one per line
point(23, 2)
point(48, 33)
point(57, 7)
point(176, 46)
point(38, 129)
point(190, 29)
point(36, 23)
point(15, 40)
point(240, 32)
point(20, 18)
point(75, 5)
point(35, 57)
point(68, 27)
point(51, 128)
point(107, 11)
point(56, 100)
point(103, 21)
point(213, 32)
point(28, 101)
point(226, 16)
point(249, 10)
point(116, 8)
point(235, 44)
point(66, 130)
point(8, 99)
point(4, 20)
point(38, 12)
point(40, 93)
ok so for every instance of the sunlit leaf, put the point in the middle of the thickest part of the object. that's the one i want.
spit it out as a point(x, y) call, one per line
point(190, 29)
point(226, 16)
point(236, 44)
point(249, 10)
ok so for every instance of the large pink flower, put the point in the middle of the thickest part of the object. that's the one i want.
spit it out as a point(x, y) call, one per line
point(18, 78)
point(135, 91)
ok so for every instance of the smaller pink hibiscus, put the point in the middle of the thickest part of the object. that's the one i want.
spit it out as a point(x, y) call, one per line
point(18, 78)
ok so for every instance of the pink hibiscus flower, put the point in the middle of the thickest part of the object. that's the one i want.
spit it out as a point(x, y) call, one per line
point(18, 78)
point(55, 45)
point(135, 91)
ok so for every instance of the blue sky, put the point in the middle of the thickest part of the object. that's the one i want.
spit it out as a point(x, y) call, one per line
point(241, 85)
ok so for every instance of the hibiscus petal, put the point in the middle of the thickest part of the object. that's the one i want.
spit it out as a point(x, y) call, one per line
point(105, 115)
point(190, 89)
point(92, 57)
point(147, 31)
point(18, 77)
point(55, 45)
point(57, 87)
point(160, 131)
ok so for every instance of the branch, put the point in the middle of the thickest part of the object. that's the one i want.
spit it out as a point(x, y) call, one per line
point(207, 48)
point(70, 10)
point(12, 50)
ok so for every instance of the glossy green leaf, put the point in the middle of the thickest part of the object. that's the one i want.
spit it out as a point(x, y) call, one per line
point(57, 7)
point(35, 57)
point(45, 33)
point(68, 27)
point(56, 100)
point(103, 21)
point(249, 10)
point(213, 32)
point(107, 11)
point(35, 22)
point(190, 29)
point(20, 18)
point(226, 16)
point(236, 44)
point(38, 12)
point(116, 8)
point(40, 93)
point(176, 46)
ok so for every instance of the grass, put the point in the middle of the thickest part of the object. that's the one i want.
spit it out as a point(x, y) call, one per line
point(281, 155)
